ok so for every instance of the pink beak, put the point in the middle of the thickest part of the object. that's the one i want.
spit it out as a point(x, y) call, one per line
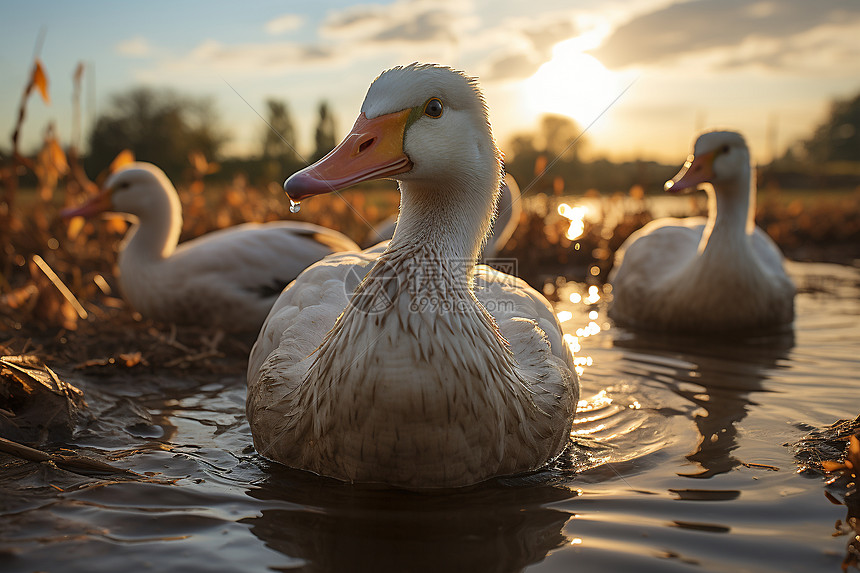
point(98, 204)
point(698, 169)
point(372, 150)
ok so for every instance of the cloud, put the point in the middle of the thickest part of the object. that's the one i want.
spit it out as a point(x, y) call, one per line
point(213, 52)
point(687, 28)
point(529, 46)
point(430, 26)
point(355, 33)
point(437, 30)
point(137, 47)
point(283, 24)
point(404, 21)
point(829, 49)
point(544, 36)
point(512, 66)
point(274, 56)
point(266, 59)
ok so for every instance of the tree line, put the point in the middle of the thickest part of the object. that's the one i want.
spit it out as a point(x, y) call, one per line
point(164, 127)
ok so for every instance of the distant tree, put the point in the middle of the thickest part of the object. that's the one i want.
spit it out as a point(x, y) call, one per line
point(548, 152)
point(324, 137)
point(521, 155)
point(280, 135)
point(523, 144)
point(279, 157)
point(558, 132)
point(159, 126)
point(838, 138)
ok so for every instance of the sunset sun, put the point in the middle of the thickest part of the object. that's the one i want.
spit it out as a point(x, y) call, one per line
point(572, 83)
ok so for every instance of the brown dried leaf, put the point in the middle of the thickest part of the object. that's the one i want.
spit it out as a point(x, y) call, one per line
point(56, 155)
point(197, 161)
point(116, 225)
point(114, 302)
point(123, 158)
point(852, 458)
point(851, 462)
point(74, 227)
point(40, 81)
point(35, 405)
point(93, 362)
point(127, 359)
point(201, 165)
point(831, 466)
point(20, 296)
point(132, 358)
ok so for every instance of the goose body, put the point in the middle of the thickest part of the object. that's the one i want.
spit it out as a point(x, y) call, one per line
point(408, 363)
point(720, 273)
point(227, 279)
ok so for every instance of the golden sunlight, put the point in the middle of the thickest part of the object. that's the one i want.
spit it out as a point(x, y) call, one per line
point(576, 216)
point(572, 83)
point(593, 295)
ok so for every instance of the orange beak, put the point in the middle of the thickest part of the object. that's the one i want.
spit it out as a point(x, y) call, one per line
point(95, 205)
point(698, 169)
point(372, 150)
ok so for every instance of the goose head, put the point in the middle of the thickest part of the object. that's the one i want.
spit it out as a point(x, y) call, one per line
point(141, 189)
point(718, 157)
point(424, 125)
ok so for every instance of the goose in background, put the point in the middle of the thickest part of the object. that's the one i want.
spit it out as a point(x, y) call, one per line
point(227, 279)
point(720, 273)
point(412, 365)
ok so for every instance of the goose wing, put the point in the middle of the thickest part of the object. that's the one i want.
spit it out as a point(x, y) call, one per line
point(527, 321)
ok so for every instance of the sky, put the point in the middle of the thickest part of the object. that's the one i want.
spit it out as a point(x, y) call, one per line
point(645, 76)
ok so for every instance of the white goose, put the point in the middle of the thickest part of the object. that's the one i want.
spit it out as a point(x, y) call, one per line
point(227, 279)
point(507, 217)
point(416, 367)
point(705, 275)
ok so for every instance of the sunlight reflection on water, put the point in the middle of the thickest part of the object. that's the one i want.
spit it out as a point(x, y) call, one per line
point(576, 216)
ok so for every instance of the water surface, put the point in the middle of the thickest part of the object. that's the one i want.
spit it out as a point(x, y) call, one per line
point(678, 464)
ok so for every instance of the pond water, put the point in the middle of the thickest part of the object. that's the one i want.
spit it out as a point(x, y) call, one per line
point(679, 464)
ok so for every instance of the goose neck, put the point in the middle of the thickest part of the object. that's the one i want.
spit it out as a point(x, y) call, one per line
point(731, 211)
point(450, 220)
point(154, 234)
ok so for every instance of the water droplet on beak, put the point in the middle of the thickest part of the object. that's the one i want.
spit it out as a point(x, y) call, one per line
point(295, 206)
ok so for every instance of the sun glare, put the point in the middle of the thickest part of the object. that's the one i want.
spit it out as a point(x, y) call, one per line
point(572, 83)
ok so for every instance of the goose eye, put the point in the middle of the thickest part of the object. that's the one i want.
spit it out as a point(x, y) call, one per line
point(433, 108)
point(724, 149)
